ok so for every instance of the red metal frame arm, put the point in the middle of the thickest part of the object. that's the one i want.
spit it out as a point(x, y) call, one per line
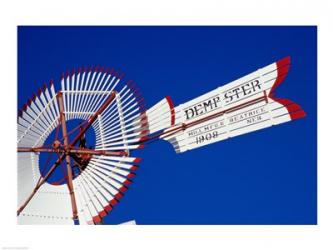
point(72, 150)
point(67, 157)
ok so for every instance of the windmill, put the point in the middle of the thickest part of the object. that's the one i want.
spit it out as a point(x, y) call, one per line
point(65, 179)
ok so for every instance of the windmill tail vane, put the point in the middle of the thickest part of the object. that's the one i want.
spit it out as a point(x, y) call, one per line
point(65, 177)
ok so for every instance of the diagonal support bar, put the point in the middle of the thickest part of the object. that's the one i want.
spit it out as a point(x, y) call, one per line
point(67, 157)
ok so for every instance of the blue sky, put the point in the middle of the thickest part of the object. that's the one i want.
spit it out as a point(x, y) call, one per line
point(266, 177)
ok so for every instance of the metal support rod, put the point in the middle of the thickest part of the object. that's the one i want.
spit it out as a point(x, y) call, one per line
point(71, 150)
point(67, 157)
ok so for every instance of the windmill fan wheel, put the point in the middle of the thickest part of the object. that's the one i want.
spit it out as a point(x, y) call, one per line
point(75, 144)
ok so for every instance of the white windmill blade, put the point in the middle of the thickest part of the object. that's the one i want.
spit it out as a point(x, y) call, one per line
point(106, 177)
point(156, 118)
point(50, 205)
point(36, 119)
point(95, 202)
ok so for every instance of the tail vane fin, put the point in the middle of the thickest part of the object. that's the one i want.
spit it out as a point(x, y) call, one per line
point(242, 106)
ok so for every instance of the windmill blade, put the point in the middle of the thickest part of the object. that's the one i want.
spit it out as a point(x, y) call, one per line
point(38, 118)
point(242, 106)
point(102, 189)
point(51, 205)
point(158, 117)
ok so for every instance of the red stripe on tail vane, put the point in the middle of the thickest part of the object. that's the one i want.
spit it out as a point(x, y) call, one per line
point(282, 71)
point(172, 109)
point(297, 115)
point(295, 111)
